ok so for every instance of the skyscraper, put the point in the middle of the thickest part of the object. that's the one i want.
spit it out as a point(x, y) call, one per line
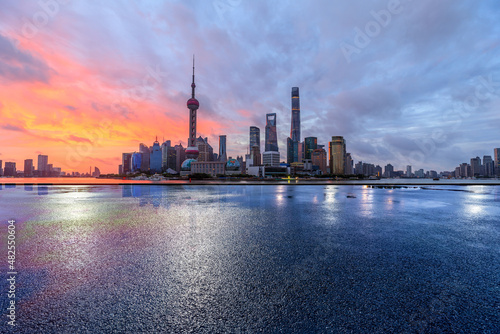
point(28, 167)
point(318, 158)
point(168, 156)
point(180, 156)
point(488, 166)
point(389, 171)
point(271, 133)
point(126, 163)
point(255, 156)
point(165, 147)
point(222, 148)
point(254, 137)
point(349, 168)
point(337, 155)
point(1, 169)
point(43, 161)
point(497, 161)
point(155, 158)
point(193, 105)
point(136, 162)
point(293, 142)
point(10, 169)
point(310, 144)
point(144, 150)
point(295, 129)
point(205, 150)
point(475, 166)
point(408, 171)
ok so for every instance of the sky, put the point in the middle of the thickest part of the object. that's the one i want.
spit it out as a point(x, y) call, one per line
point(405, 82)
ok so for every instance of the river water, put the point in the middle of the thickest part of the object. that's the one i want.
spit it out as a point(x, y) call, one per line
point(246, 259)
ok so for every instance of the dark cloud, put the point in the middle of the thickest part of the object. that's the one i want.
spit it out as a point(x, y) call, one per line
point(11, 127)
point(19, 65)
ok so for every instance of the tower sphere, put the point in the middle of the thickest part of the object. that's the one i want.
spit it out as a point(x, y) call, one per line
point(193, 104)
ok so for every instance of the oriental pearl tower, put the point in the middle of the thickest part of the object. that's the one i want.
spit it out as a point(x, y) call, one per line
point(193, 105)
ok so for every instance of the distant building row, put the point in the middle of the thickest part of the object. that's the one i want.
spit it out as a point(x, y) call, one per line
point(44, 169)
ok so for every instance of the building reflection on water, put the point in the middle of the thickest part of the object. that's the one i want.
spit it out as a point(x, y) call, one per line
point(147, 194)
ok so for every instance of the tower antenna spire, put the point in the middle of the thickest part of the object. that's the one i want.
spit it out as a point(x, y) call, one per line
point(193, 85)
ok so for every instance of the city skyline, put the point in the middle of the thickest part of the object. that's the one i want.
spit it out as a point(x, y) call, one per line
point(414, 84)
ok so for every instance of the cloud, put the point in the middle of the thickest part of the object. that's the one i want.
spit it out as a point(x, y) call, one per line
point(79, 139)
point(11, 127)
point(18, 65)
point(409, 81)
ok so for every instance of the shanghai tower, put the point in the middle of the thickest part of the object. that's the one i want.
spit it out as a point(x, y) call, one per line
point(295, 130)
point(293, 142)
point(271, 134)
point(193, 105)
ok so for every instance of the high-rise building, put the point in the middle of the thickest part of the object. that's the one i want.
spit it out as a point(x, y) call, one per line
point(292, 151)
point(255, 156)
point(408, 171)
point(271, 133)
point(28, 167)
point(126, 163)
point(144, 150)
point(271, 158)
point(349, 167)
point(168, 155)
point(310, 144)
point(388, 170)
point(180, 156)
point(10, 169)
point(420, 173)
point(1, 169)
point(193, 105)
point(337, 155)
point(96, 172)
point(369, 169)
point(254, 137)
point(205, 150)
point(155, 158)
point(295, 129)
point(465, 170)
point(293, 142)
point(318, 158)
point(489, 168)
point(497, 161)
point(475, 166)
point(43, 161)
point(136, 162)
point(222, 148)
point(358, 168)
point(165, 147)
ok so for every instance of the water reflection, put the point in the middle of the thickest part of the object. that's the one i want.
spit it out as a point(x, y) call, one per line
point(253, 256)
point(43, 190)
point(147, 194)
